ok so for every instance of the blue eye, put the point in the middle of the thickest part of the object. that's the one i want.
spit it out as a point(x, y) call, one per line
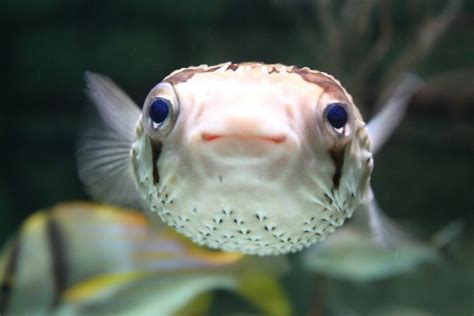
point(159, 110)
point(336, 114)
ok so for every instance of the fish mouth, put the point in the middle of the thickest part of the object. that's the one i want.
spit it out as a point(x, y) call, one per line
point(245, 149)
point(275, 139)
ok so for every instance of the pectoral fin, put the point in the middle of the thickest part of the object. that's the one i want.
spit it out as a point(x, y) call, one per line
point(382, 126)
point(385, 231)
point(104, 148)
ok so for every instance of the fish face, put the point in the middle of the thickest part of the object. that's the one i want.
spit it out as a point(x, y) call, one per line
point(261, 159)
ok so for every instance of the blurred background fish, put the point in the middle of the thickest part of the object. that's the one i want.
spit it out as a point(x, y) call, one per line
point(82, 258)
point(354, 255)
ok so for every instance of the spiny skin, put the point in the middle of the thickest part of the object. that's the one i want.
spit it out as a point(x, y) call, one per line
point(250, 163)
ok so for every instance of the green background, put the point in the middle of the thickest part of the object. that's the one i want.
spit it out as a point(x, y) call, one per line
point(424, 176)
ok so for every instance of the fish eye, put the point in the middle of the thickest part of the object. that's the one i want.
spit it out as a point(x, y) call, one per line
point(336, 114)
point(159, 110)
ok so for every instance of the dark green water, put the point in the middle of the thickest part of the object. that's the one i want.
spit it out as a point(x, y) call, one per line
point(424, 176)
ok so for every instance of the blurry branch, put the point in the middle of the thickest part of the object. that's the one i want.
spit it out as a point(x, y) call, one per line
point(426, 37)
point(378, 49)
point(362, 10)
point(331, 31)
point(359, 41)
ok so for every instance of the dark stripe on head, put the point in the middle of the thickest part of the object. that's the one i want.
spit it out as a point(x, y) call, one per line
point(156, 151)
point(7, 284)
point(337, 156)
point(58, 258)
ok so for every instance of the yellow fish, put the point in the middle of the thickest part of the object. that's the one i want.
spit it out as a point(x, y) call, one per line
point(89, 259)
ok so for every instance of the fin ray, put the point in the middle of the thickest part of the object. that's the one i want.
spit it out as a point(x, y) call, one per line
point(382, 126)
point(104, 147)
point(386, 233)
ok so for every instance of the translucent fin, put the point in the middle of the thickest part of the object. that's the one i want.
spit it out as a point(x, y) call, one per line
point(103, 155)
point(448, 234)
point(385, 232)
point(382, 126)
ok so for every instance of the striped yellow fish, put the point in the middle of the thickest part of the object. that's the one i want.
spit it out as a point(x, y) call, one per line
point(82, 258)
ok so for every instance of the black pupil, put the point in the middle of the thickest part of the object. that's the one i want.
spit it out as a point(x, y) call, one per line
point(159, 110)
point(336, 115)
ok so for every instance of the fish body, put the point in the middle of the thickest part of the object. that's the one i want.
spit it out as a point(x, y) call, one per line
point(256, 158)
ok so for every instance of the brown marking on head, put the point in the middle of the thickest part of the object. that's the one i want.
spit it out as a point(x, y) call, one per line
point(233, 67)
point(329, 86)
point(187, 73)
point(274, 70)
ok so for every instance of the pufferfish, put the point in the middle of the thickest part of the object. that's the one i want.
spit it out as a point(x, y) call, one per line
point(256, 158)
